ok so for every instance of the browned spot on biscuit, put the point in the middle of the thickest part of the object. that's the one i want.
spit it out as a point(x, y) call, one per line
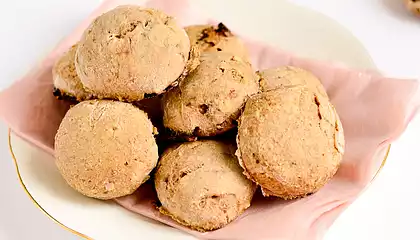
point(150, 95)
point(232, 93)
point(60, 95)
point(318, 104)
point(196, 131)
point(223, 30)
point(203, 108)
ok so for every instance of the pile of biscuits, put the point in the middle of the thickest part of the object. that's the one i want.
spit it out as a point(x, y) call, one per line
point(184, 107)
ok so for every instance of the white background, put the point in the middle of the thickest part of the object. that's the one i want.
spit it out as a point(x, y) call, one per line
point(29, 29)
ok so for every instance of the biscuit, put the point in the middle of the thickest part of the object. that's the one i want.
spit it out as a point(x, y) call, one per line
point(105, 149)
point(200, 184)
point(290, 139)
point(67, 83)
point(210, 99)
point(218, 38)
point(130, 52)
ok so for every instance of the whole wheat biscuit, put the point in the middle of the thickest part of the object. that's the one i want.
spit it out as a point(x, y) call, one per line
point(209, 100)
point(66, 81)
point(218, 38)
point(290, 139)
point(105, 149)
point(130, 52)
point(200, 184)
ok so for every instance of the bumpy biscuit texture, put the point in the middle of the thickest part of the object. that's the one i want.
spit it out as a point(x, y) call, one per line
point(209, 100)
point(130, 52)
point(290, 138)
point(105, 149)
point(200, 184)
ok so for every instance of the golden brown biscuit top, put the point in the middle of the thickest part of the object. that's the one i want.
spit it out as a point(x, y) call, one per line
point(288, 76)
point(212, 94)
point(218, 38)
point(105, 149)
point(290, 139)
point(131, 51)
point(200, 184)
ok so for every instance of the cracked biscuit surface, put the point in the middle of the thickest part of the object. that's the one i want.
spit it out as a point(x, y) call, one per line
point(105, 149)
point(208, 101)
point(290, 138)
point(130, 52)
point(200, 184)
point(273, 78)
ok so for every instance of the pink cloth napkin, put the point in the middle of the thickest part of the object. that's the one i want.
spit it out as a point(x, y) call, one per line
point(374, 110)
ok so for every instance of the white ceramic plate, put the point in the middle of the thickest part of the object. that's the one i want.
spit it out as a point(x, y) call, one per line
point(280, 23)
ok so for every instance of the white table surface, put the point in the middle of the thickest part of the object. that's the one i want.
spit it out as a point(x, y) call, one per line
point(387, 210)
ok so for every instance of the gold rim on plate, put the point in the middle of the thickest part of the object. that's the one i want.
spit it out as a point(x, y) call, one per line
point(33, 199)
point(81, 234)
